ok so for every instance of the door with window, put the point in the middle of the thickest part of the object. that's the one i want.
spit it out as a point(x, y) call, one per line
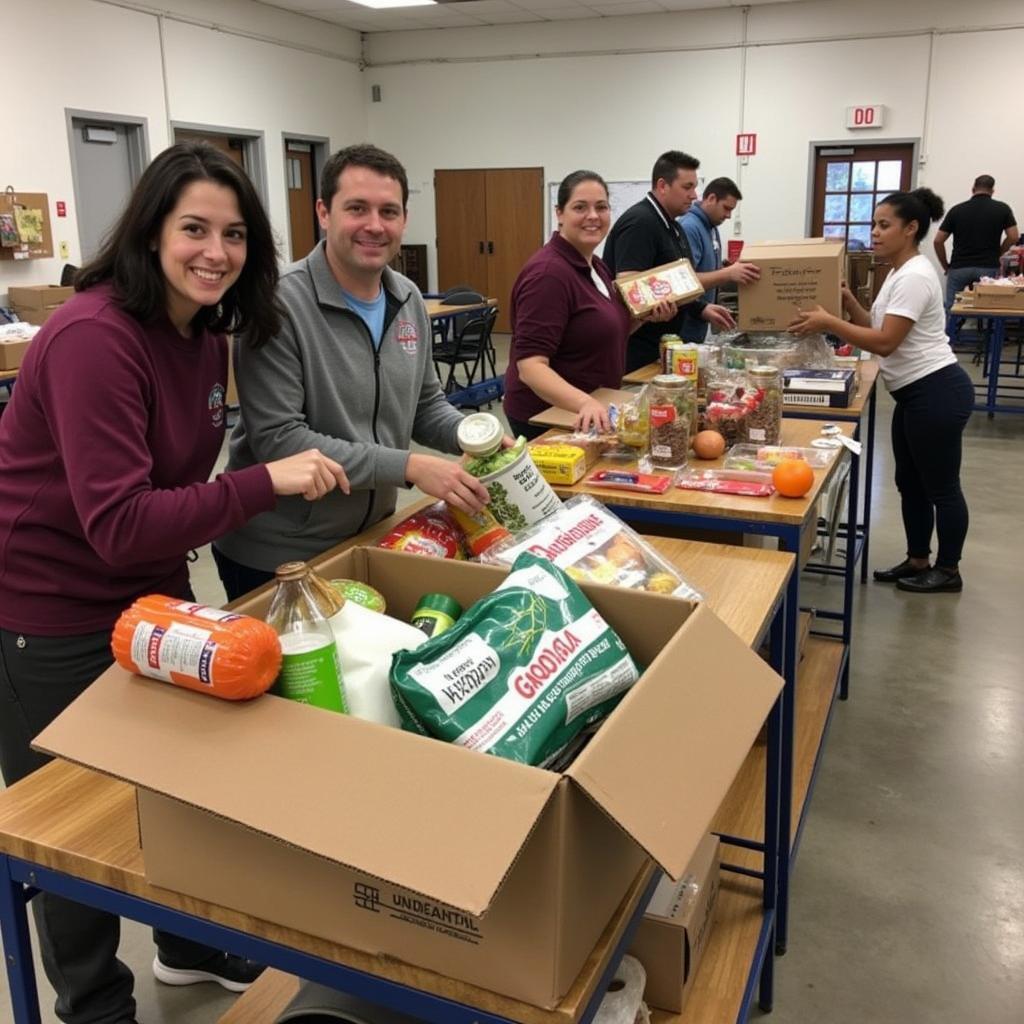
point(849, 182)
point(301, 198)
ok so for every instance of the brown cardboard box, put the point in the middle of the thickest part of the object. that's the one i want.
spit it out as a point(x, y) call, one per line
point(998, 296)
point(12, 353)
point(35, 303)
point(794, 275)
point(488, 871)
point(674, 932)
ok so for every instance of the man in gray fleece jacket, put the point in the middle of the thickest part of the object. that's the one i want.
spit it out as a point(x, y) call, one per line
point(350, 374)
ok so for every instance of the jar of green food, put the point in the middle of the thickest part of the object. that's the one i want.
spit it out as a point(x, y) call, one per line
point(436, 613)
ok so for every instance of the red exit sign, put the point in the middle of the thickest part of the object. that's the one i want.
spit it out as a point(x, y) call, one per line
point(865, 117)
point(746, 144)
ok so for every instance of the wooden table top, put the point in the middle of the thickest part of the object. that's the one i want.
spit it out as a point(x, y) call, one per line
point(436, 309)
point(774, 509)
point(960, 310)
point(867, 379)
point(83, 823)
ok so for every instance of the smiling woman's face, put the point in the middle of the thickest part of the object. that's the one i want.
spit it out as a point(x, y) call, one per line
point(584, 220)
point(202, 249)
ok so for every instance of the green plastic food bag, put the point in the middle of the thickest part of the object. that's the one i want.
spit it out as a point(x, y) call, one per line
point(524, 670)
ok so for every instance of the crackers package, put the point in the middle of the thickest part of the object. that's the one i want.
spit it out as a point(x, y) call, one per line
point(643, 290)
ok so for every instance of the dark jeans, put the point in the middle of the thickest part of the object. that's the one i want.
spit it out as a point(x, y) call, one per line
point(959, 278)
point(238, 579)
point(39, 677)
point(524, 428)
point(927, 429)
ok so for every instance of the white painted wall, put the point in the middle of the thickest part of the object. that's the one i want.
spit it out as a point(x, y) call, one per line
point(608, 93)
point(482, 97)
point(106, 58)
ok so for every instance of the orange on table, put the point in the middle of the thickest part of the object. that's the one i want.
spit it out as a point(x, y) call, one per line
point(793, 478)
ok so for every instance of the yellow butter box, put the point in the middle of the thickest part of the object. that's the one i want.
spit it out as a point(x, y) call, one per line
point(559, 463)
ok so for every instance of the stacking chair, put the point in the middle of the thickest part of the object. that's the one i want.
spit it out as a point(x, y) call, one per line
point(470, 348)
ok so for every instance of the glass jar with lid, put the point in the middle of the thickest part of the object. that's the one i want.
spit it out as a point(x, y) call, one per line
point(764, 424)
point(672, 407)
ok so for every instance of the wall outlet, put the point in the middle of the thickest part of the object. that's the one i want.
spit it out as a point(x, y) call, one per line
point(65, 251)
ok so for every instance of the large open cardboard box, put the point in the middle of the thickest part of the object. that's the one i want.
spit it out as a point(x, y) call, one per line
point(495, 873)
point(794, 275)
point(34, 303)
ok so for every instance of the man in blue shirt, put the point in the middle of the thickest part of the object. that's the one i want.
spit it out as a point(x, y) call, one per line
point(700, 225)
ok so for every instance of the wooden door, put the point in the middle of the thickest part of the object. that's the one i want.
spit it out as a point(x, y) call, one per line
point(849, 182)
point(489, 223)
point(301, 198)
point(460, 207)
point(515, 230)
point(227, 144)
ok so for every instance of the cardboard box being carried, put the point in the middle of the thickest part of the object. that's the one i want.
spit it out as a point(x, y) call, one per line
point(794, 275)
point(643, 290)
point(998, 296)
point(34, 303)
point(484, 870)
point(674, 932)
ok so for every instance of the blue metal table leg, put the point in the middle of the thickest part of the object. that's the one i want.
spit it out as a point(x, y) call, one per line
point(996, 353)
point(776, 849)
point(21, 975)
point(869, 471)
point(789, 540)
point(850, 569)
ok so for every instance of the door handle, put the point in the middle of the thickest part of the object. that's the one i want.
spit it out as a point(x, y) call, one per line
point(481, 244)
point(490, 248)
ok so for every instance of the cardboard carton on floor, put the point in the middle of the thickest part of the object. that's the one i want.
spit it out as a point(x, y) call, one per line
point(794, 275)
point(35, 303)
point(495, 873)
point(674, 932)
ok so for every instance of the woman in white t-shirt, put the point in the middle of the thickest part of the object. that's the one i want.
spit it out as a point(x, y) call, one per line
point(934, 396)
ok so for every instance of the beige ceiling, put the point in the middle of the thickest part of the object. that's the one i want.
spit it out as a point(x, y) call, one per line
point(473, 13)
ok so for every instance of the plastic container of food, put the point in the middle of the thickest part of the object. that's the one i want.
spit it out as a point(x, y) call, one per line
point(672, 409)
point(767, 457)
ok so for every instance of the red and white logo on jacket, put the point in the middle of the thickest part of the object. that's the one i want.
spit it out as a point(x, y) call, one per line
point(408, 337)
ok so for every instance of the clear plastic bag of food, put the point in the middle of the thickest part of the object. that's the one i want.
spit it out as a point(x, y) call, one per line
point(766, 457)
point(592, 545)
point(781, 349)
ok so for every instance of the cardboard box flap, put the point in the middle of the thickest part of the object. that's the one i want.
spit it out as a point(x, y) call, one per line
point(662, 771)
point(808, 248)
point(404, 808)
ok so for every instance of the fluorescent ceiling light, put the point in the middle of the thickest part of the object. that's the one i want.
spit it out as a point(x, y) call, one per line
point(381, 5)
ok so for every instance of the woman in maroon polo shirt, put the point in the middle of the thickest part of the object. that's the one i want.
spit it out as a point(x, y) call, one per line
point(569, 328)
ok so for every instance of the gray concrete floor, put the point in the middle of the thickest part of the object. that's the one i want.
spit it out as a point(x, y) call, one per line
point(908, 893)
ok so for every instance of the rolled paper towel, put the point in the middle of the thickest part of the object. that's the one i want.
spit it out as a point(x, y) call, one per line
point(624, 1001)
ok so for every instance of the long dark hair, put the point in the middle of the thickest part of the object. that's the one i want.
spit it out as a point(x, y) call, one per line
point(921, 205)
point(128, 261)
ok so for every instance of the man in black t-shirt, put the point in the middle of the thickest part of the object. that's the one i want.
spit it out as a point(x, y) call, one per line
point(983, 229)
point(647, 235)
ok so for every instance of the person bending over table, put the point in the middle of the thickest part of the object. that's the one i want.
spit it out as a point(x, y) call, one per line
point(934, 395)
point(569, 327)
point(105, 453)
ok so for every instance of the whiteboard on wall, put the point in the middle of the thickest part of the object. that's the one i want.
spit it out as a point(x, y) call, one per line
point(621, 195)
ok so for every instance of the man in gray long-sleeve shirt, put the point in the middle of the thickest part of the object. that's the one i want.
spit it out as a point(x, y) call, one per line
point(350, 373)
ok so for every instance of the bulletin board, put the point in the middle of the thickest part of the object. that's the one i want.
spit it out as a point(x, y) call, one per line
point(25, 232)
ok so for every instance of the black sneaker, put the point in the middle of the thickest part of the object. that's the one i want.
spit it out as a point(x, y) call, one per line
point(903, 571)
point(933, 581)
point(234, 973)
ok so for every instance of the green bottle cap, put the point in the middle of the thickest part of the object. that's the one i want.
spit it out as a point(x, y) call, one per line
point(439, 603)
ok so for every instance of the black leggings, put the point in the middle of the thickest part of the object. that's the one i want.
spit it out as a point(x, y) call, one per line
point(927, 429)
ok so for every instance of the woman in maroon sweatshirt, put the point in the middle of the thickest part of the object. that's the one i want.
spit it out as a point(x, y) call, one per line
point(106, 449)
